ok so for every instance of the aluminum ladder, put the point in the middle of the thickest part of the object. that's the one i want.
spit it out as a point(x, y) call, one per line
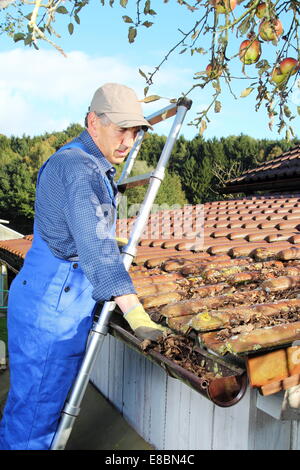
point(99, 329)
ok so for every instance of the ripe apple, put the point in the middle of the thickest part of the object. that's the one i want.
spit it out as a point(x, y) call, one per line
point(224, 6)
point(250, 51)
point(278, 77)
point(261, 10)
point(289, 66)
point(269, 30)
point(213, 71)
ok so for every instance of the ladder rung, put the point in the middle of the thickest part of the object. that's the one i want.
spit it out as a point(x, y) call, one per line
point(163, 114)
point(138, 180)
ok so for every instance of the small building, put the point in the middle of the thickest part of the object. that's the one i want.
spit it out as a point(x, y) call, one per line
point(225, 278)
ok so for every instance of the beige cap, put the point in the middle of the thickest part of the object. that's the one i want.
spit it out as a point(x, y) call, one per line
point(120, 104)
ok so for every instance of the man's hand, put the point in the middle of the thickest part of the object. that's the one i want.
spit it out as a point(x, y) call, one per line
point(142, 325)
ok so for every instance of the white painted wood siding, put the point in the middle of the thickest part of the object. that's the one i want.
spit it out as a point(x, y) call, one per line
point(171, 416)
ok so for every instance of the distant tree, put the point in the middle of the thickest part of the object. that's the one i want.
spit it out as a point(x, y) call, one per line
point(171, 191)
point(179, 154)
point(6, 152)
point(169, 194)
point(73, 130)
point(151, 148)
point(39, 153)
point(270, 149)
point(20, 145)
point(275, 151)
point(195, 172)
point(192, 182)
point(17, 194)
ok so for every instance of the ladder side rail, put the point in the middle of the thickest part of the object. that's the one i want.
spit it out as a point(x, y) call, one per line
point(129, 251)
point(100, 327)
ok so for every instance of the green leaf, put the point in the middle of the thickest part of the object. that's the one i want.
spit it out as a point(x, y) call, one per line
point(77, 19)
point(151, 98)
point(200, 50)
point(71, 28)
point(28, 39)
point(281, 126)
point(195, 34)
point(216, 85)
point(132, 32)
point(263, 66)
point(298, 110)
point(143, 74)
point(127, 19)
point(147, 7)
point(203, 126)
point(271, 122)
point(218, 106)
point(200, 74)
point(246, 92)
point(123, 3)
point(147, 24)
point(62, 10)
point(287, 111)
point(292, 131)
point(244, 26)
point(18, 37)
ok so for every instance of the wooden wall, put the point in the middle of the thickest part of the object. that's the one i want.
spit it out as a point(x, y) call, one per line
point(169, 415)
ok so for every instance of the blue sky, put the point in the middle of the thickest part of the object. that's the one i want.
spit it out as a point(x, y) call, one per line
point(42, 91)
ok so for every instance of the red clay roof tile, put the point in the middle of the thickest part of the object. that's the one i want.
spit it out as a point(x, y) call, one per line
point(248, 246)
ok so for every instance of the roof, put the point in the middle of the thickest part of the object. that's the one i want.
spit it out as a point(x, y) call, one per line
point(13, 251)
point(227, 279)
point(281, 173)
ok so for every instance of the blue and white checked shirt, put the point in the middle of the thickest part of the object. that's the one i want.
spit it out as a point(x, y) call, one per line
point(75, 213)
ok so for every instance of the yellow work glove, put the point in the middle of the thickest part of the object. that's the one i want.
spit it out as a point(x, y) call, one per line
point(142, 325)
point(121, 241)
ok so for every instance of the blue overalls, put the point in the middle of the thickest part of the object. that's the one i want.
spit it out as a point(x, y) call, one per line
point(50, 313)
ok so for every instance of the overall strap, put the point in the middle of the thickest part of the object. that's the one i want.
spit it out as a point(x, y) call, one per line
point(64, 147)
point(81, 146)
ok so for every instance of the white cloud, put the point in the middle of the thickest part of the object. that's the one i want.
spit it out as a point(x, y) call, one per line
point(42, 91)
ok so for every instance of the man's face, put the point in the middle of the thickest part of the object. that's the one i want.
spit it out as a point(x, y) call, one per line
point(115, 142)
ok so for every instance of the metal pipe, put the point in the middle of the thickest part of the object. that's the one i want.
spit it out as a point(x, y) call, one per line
point(155, 182)
point(72, 406)
point(100, 328)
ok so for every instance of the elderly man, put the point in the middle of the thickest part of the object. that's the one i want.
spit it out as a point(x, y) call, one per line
point(74, 262)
